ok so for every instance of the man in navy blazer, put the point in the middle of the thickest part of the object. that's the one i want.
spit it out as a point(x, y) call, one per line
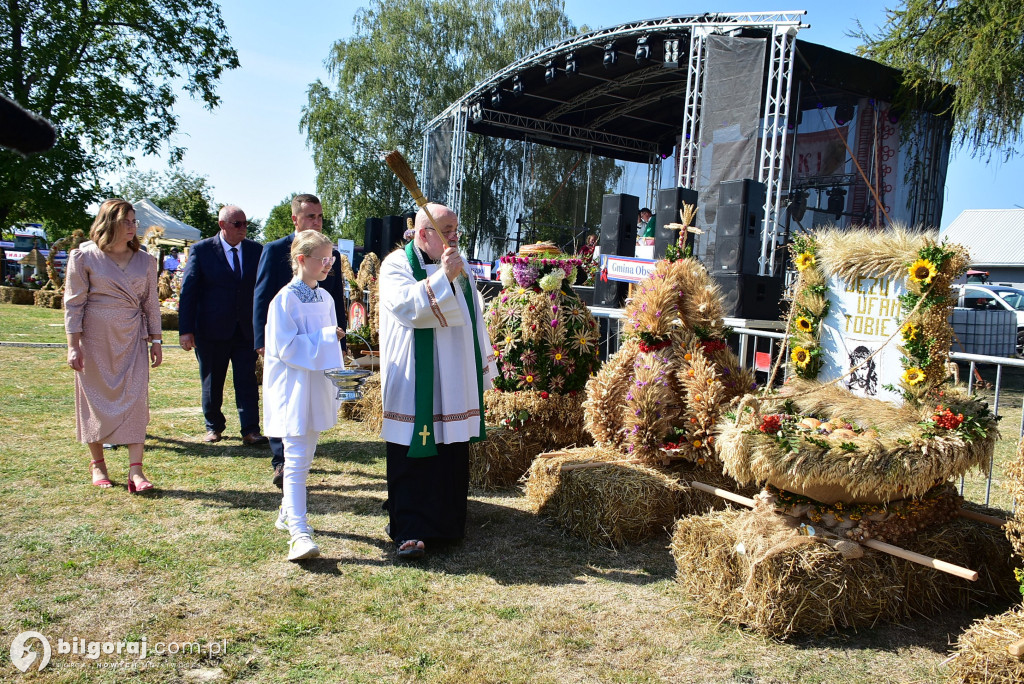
point(275, 271)
point(215, 319)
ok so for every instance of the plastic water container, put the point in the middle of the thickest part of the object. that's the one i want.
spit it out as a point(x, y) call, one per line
point(989, 333)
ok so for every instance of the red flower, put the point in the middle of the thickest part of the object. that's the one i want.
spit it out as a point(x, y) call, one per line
point(771, 424)
point(946, 419)
point(543, 395)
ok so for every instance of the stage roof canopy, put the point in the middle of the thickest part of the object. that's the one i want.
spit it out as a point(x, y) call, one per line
point(592, 92)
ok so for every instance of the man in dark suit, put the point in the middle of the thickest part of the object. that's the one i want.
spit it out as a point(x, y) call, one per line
point(274, 273)
point(215, 319)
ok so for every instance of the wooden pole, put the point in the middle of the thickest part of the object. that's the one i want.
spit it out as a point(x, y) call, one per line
point(912, 556)
point(1016, 649)
point(981, 517)
point(594, 464)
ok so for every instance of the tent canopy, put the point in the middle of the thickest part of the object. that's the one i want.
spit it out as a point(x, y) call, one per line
point(150, 215)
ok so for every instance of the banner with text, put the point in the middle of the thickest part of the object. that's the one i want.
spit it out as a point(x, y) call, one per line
point(864, 312)
point(626, 269)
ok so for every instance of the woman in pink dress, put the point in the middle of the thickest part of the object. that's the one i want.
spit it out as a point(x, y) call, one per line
point(111, 312)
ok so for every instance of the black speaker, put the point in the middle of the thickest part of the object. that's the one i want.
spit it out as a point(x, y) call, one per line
point(738, 226)
point(750, 296)
point(585, 293)
point(618, 236)
point(371, 238)
point(392, 235)
point(670, 201)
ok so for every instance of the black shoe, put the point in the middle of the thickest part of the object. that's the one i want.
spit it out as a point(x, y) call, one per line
point(278, 478)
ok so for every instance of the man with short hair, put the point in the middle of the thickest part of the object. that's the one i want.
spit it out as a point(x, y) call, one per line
point(171, 262)
point(275, 271)
point(436, 362)
point(215, 319)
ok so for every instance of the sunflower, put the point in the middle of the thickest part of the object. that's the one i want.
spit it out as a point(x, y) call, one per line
point(800, 356)
point(803, 260)
point(922, 271)
point(910, 331)
point(804, 324)
point(913, 376)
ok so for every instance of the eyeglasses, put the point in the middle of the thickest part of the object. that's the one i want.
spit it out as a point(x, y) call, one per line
point(451, 234)
point(237, 224)
point(328, 261)
point(134, 222)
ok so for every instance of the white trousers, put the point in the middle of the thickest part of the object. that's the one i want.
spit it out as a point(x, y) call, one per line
point(298, 456)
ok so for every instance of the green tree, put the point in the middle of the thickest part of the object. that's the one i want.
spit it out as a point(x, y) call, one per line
point(107, 73)
point(406, 62)
point(185, 196)
point(969, 53)
point(279, 221)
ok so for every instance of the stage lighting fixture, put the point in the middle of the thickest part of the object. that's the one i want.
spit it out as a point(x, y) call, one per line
point(836, 202)
point(517, 86)
point(571, 67)
point(643, 51)
point(476, 112)
point(844, 114)
point(797, 204)
point(610, 56)
point(671, 53)
point(550, 72)
point(496, 98)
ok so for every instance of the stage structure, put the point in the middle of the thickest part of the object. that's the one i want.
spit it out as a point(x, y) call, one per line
point(728, 97)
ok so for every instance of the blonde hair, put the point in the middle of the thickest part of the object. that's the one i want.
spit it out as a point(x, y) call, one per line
point(305, 243)
point(107, 224)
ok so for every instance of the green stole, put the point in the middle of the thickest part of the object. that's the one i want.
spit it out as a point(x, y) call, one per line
point(423, 360)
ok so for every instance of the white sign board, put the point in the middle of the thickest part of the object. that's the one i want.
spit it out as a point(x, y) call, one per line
point(864, 313)
point(626, 269)
point(348, 248)
point(481, 269)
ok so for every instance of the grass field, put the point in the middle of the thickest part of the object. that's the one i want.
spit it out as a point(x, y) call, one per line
point(516, 602)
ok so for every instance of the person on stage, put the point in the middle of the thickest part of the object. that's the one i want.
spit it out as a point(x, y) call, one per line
point(299, 402)
point(436, 362)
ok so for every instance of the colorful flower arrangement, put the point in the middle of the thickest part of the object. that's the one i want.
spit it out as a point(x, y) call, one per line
point(926, 307)
point(810, 306)
point(544, 338)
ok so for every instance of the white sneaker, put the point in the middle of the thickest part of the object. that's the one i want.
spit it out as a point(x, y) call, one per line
point(301, 547)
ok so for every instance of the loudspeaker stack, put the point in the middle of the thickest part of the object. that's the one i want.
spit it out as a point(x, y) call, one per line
point(670, 201)
point(618, 237)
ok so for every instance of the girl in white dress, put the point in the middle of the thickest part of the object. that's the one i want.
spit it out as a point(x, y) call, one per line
point(302, 341)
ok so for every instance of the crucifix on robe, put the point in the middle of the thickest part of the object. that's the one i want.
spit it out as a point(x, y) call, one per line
point(424, 434)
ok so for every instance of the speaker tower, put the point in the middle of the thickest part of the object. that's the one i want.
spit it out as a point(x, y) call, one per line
point(738, 226)
point(670, 201)
point(618, 237)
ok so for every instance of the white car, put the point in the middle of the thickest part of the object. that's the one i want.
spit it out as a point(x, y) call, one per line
point(996, 298)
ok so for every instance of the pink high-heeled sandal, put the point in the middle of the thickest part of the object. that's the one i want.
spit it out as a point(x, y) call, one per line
point(104, 483)
point(143, 488)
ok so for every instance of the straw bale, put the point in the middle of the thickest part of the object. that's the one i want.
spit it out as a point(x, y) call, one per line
point(554, 420)
point(368, 408)
point(611, 505)
point(16, 295)
point(49, 299)
point(981, 654)
point(619, 503)
point(809, 587)
point(502, 459)
point(897, 463)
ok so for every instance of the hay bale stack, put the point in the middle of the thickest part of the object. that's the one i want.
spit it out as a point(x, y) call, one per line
point(981, 654)
point(16, 295)
point(503, 458)
point(612, 505)
point(49, 299)
point(168, 320)
point(805, 586)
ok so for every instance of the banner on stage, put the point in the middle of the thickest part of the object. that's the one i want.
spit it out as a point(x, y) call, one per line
point(626, 269)
point(481, 269)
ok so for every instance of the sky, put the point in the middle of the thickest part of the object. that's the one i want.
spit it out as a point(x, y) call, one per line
point(253, 155)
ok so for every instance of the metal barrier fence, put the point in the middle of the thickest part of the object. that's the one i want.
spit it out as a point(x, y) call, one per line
point(759, 349)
